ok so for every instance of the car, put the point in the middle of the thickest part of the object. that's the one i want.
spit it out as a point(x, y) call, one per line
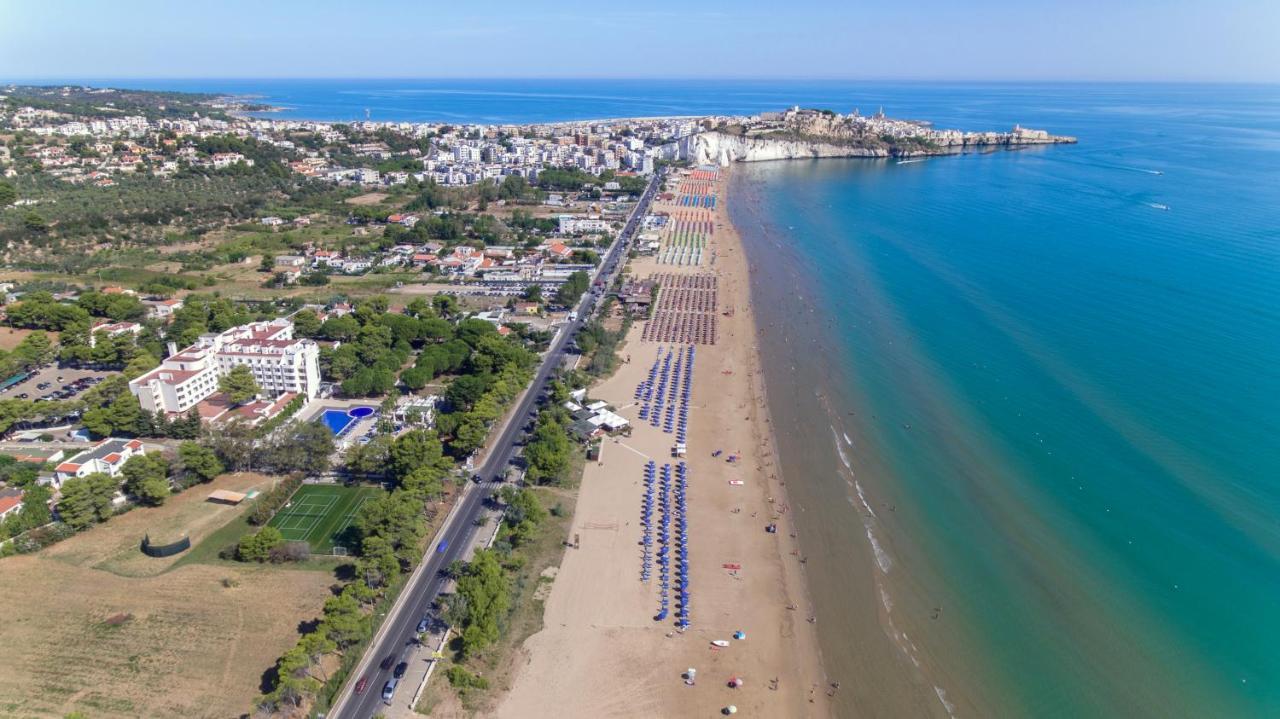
point(386, 663)
point(401, 668)
point(22, 396)
point(362, 685)
point(443, 545)
point(422, 625)
point(389, 689)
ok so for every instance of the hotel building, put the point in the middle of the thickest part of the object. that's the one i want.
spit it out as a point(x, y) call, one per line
point(279, 363)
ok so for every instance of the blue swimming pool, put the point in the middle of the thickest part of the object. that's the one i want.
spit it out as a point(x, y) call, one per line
point(338, 420)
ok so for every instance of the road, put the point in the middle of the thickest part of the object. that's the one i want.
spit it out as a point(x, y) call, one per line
point(399, 634)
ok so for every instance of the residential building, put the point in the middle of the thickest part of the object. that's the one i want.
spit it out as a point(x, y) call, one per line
point(10, 502)
point(107, 456)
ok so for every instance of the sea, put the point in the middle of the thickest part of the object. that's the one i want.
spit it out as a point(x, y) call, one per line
point(1032, 396)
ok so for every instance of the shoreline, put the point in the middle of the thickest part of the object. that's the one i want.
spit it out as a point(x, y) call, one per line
point(599, 652)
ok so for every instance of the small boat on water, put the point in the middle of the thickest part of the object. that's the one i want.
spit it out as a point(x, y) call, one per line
point(1158, 206)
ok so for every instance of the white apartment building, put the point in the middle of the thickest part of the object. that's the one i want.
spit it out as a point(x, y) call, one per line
point(279, 363)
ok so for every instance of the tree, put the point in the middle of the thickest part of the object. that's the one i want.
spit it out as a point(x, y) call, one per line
point(294, 683)
point(239, 384)
point(34, 349)
point(369, 458)
point(523, 515)
point(307, 449)
point(468, 437)
point(146, 476)
point(199, 462)
point(8, 195)
point(547, 453)
point(35, 223)
point(424, 482)
point(141, 364)
point(306, 323)
point(413, 450)
point(87, 500)
point(344, 623)
point(484, 590)
point(573, 288)
point(444, 305)
point(465, 391)
point(257, 546)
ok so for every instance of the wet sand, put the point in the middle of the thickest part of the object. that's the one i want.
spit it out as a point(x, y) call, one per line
point(600, 652)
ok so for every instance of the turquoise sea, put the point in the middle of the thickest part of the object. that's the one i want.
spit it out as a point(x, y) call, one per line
point(1033, 396)
point(1053, 376)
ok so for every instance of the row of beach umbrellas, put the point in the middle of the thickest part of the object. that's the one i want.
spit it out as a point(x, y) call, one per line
point(672, 516)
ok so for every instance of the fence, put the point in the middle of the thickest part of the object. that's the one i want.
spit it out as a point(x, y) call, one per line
point(164, 550)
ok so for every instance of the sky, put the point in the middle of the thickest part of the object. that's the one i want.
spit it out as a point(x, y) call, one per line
point(1018, 40)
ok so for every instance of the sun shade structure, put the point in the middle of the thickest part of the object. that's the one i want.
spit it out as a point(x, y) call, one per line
point(226, 496)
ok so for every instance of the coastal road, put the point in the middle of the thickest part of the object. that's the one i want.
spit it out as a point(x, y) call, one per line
point(398, 635)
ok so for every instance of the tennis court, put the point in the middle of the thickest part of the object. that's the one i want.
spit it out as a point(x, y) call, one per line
point(320, 514)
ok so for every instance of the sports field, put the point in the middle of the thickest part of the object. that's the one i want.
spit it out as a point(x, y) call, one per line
point(319, 514)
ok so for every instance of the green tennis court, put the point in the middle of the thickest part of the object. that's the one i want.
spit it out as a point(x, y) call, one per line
point(319, 514)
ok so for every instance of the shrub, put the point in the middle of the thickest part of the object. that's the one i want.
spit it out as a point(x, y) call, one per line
point(460, 678)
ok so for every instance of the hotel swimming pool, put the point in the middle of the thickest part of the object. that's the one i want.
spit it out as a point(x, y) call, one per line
point(339, 420)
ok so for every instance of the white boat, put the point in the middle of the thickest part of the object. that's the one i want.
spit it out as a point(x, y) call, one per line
point(720, 642)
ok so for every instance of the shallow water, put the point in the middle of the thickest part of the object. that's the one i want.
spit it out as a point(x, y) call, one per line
point(1062, 400)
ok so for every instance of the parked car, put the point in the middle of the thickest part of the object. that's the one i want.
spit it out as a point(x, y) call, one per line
point(401, 668)
point(362, 685)
point(389, 689)
point(422, 625)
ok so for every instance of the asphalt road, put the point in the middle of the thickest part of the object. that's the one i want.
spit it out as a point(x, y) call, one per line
point(415, 602)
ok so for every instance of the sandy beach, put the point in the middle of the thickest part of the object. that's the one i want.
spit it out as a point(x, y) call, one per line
point(600, 652)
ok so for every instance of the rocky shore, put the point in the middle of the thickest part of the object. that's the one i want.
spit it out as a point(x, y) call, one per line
point(717, 148)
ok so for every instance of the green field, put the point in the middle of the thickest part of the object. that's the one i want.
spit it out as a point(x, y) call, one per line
point(319, 514)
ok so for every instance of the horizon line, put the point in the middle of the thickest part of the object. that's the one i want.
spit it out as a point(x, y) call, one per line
point(70, 79)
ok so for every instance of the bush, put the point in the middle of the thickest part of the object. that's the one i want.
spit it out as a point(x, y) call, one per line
point(460, 678)
point(259, 546)
point(290, 552)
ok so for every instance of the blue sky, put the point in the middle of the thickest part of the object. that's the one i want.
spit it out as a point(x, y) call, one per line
point(1232, 40)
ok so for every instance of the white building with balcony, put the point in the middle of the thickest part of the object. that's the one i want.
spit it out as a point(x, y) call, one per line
point(279, 364)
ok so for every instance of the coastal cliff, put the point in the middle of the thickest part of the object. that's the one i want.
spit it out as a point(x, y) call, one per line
point(801, 134)
point(718, 148)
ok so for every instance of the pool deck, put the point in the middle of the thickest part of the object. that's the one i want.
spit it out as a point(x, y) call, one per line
point(315, 412)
